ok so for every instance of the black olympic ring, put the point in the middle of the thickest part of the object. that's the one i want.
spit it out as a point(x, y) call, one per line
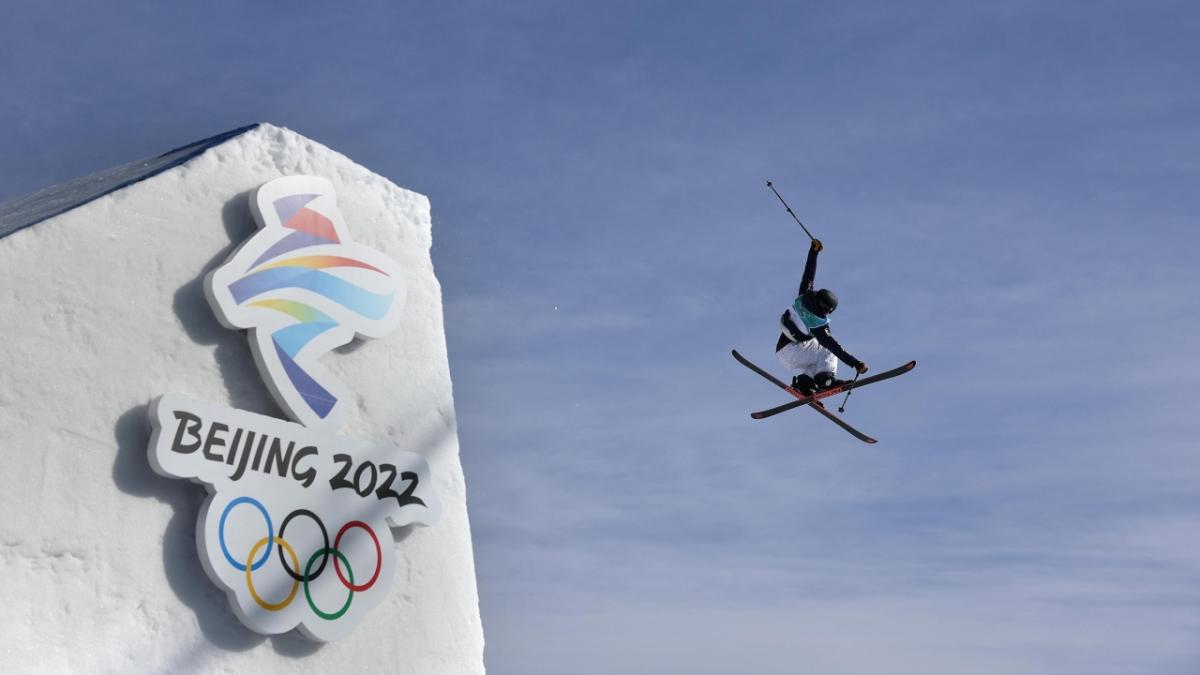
point(324, 535)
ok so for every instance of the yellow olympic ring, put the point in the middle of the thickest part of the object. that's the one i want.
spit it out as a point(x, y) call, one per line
point(250, 582)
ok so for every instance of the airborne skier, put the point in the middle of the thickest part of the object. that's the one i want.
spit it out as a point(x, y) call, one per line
point(805, 343)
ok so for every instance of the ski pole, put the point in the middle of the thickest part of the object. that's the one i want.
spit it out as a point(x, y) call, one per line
point(842, 408)
point(789, 210)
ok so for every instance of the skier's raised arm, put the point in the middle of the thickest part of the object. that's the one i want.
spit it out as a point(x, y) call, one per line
point(810, 267)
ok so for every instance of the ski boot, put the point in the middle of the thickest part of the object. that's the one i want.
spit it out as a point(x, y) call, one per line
point(826, 380)
point(804, 384)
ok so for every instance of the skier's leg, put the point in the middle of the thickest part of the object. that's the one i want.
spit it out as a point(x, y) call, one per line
point(817, 359)
point(830, 363)
point(804, 358)
point(827, 375)
point(793, 356)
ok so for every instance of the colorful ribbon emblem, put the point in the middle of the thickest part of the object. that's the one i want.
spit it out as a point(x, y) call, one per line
point(302, 288)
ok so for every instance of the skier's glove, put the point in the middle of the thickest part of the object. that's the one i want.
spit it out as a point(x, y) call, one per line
point(817, 246)
point(862, 367)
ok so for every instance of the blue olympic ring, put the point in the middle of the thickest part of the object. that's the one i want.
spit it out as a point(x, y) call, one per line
point(270, 533)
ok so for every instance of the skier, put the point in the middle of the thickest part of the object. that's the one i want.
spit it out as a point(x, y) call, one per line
point(806, 343)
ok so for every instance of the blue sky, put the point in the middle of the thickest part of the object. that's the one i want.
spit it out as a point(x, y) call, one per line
point(1006, 192)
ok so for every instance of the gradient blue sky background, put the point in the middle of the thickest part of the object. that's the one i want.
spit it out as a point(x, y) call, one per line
point(1007, 193)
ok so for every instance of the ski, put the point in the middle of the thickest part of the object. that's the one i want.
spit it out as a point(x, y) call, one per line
point(836, 419)
point(825, 393)
point(815, 405)
point(833, 391)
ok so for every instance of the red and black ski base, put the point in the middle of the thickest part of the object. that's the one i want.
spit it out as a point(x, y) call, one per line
point(814, 401)
point(815, 405)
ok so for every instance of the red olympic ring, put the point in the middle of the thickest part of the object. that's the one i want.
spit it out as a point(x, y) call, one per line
point(337, 541)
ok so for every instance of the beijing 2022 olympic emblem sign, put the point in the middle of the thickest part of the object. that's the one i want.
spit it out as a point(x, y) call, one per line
point(296, 524)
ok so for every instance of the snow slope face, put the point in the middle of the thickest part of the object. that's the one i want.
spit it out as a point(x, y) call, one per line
point(105, 311)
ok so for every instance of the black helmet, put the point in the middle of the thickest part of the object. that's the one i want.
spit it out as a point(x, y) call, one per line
point(824, 301)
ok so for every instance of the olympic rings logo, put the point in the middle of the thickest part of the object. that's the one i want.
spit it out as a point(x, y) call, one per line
point(274, 542)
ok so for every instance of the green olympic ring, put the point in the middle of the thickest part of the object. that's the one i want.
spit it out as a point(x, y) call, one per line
point(307, 574)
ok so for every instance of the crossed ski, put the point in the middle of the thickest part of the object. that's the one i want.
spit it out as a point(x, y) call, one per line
point(814, 401)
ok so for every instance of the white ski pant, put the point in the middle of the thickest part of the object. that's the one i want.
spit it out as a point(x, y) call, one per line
point(808, 357)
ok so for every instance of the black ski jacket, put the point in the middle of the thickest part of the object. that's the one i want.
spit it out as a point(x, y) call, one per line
point(793, 333)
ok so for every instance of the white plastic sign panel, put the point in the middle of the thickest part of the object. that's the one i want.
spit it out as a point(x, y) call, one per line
point(296, 528)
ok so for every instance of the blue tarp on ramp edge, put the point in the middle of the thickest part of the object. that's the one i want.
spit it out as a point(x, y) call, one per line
point(22, 212)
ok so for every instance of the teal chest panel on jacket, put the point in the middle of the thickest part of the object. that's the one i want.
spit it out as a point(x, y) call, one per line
point(806, 317)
